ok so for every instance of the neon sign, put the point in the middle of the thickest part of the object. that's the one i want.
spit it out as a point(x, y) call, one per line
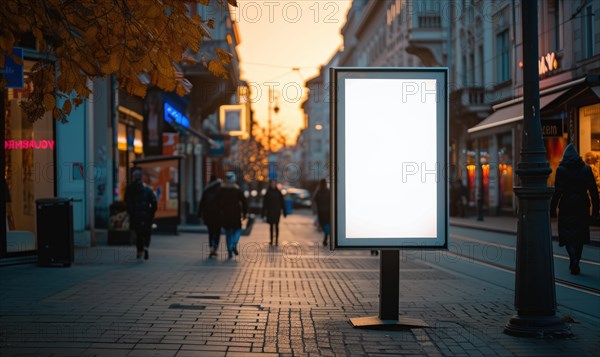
point(28, 144)
point(548, 63)
point(174, 116)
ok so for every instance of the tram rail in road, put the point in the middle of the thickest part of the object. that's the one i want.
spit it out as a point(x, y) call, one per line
point(467, 256)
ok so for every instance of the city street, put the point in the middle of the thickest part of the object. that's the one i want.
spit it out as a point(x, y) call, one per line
point(294, 299)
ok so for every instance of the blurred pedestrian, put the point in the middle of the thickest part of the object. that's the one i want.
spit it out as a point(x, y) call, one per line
point(10, 220)
point(233, 208)
point(141, 207)
point(210, 214)
point(322, 202)
point(273, 207)
point(573, 180)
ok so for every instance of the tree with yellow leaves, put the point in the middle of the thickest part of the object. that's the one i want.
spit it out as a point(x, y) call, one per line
point(138, 41)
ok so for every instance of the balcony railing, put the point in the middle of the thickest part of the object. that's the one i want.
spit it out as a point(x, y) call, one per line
point(429, 21)
point(475, 95)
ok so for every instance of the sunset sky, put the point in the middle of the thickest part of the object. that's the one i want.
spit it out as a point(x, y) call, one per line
point(278, 36)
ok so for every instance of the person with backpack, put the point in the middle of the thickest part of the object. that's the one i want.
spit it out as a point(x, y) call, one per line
point(141, 207)
point(210, 214)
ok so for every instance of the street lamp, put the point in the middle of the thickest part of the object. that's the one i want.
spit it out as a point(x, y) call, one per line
point(535, 294)
point(272, 106)
point(271, 161)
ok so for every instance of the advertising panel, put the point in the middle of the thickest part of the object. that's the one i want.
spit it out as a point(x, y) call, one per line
point(233, 119)
point(389, 150)
point(162, 176)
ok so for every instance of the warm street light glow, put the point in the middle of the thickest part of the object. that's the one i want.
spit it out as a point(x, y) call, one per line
point(318, 127)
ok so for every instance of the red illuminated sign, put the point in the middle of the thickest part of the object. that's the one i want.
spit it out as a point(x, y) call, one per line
point(28, 144)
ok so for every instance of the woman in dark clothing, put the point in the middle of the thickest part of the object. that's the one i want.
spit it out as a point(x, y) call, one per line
point(322, 202)
point(141, 207)
point(574, 179)
point(209, 211)
point(273, 207)
point(233, 208)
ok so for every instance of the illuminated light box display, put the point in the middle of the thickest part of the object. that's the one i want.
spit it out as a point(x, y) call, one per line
point(233, 119)
point(389, 148)
point(389, 133)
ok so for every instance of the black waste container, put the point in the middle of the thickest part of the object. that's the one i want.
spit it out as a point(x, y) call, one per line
point(55, 240)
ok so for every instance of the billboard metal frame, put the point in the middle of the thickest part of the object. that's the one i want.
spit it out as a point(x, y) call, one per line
point(338, 77)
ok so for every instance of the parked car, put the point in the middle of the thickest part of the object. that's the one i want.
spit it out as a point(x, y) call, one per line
point(300, 197)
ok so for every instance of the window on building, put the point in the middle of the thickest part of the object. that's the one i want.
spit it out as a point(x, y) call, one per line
point(589, 137)
point(464, 71)
point(587, 32)
point(318, 146)
point(502, 56)
point(554, 26)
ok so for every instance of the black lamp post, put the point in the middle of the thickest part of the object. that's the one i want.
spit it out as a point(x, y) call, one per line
point(535, 295)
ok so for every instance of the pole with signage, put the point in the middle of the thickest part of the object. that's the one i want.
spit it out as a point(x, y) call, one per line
point(535, 295)
point(389, 137)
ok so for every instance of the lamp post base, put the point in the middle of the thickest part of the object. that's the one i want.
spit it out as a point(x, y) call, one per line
point(550, 327)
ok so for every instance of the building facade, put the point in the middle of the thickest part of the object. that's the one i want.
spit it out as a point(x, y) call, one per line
point(479, 41)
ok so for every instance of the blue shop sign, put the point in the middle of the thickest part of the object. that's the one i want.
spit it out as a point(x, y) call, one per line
point(172, 115)
point(13, 72)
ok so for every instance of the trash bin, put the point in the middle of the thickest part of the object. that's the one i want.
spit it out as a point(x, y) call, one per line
point(55, 239)
point(289, 204)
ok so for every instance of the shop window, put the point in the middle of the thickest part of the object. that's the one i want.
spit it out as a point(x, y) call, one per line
point(130, 145)
point(505, 171)
point(589, 138)
point(555, 146)
point(29, 167)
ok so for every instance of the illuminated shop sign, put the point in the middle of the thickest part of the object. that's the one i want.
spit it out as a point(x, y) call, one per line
point(547, 64)
point(28, 144)
point(390, 130)
point(172, 115)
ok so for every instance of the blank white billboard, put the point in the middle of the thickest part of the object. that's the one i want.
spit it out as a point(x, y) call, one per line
point(389, 130)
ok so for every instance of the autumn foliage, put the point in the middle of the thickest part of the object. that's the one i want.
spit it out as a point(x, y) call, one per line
point(139, 41)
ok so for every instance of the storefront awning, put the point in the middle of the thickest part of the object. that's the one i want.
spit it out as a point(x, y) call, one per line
point(506, 113)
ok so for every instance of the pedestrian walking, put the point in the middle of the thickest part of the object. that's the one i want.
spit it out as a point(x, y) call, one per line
point(322, 202)
point(208, 210)
point(573, 181)
point(273, 207)
point(141, 207)
point(233, 208)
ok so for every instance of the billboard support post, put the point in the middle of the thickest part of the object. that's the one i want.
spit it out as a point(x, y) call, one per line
point(389, 299)
point(389, 284)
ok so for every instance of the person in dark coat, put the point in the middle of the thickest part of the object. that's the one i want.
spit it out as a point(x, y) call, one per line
point(321, 200)
point(233, 208)
point(573, 180)
point(141, 207)
point(273, 207)
point(210, 214)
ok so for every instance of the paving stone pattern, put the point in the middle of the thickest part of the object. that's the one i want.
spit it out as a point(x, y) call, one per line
point(291, 300)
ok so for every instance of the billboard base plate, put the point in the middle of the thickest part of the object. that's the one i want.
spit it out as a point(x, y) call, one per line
point(375, 323)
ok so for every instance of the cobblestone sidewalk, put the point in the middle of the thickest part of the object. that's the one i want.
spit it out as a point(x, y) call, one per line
point(294, 299)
